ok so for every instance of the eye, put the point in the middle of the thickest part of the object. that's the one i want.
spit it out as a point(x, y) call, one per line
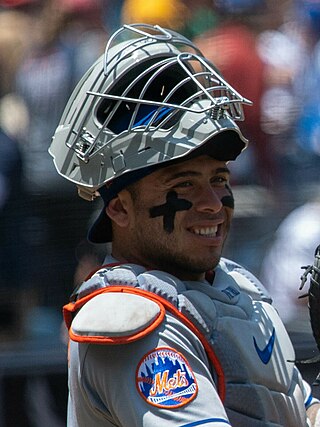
point(184, 184)
point(220, 180)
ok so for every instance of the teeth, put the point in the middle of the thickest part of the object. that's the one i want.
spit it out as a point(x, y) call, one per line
point(208, 231)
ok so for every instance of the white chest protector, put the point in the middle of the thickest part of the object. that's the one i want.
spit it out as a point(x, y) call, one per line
point(237, 319)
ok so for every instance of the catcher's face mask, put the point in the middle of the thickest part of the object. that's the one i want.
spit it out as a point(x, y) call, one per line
point(151, 98)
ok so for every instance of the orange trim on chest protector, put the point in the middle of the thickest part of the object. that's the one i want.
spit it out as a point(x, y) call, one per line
point(70, 309)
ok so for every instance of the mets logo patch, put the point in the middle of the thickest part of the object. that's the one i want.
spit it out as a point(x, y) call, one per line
point(165, 379)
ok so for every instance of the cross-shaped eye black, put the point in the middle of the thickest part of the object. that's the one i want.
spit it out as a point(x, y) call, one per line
point(169, 210)
point(228, 201)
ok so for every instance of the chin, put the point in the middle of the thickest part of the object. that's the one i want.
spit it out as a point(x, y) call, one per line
point(204, 266)
point(214, 261)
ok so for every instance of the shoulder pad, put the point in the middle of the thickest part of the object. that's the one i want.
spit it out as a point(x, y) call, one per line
point(118, 274)
point(116, 318)
point(246, 281)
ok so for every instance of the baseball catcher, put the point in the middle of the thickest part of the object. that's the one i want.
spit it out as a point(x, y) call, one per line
point(168, 332)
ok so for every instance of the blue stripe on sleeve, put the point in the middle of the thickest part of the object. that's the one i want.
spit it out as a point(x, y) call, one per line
point(207, 421)
point(308, 401)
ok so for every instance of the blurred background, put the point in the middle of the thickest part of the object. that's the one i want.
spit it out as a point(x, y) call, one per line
point(269, 50)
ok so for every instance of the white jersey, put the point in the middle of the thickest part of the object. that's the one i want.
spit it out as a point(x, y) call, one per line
point(155, 351)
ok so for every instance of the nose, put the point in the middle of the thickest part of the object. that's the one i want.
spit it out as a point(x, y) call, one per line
point(209, 200)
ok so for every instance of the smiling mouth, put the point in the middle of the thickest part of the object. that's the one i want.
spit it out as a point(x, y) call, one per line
point(206, 231)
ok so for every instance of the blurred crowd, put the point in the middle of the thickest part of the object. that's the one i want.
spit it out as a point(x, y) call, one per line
point(268, 50)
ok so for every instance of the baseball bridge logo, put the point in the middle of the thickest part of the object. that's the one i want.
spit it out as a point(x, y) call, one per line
point(165, 379)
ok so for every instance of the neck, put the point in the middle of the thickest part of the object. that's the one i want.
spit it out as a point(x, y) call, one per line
point(180, 274)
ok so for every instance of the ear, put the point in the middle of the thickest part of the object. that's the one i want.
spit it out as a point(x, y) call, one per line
point(118, 211)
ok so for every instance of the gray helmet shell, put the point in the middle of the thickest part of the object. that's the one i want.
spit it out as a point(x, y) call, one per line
point(151, 98)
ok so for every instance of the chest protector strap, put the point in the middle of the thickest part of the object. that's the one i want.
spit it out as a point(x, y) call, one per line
point(70, 310)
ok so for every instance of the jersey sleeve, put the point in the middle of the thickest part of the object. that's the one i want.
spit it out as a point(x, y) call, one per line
point(163, 378)
point(308, 397)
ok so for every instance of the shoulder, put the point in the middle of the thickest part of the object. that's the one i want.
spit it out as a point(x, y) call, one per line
point(246, 281)
point(120, 303)
point(114, 315)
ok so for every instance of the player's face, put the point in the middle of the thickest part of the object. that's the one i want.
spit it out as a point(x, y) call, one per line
point(179, 217)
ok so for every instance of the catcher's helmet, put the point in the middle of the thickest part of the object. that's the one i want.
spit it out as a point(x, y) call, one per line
point(152, 97)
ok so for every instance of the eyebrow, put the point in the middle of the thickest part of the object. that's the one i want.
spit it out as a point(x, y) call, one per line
point(187, 173)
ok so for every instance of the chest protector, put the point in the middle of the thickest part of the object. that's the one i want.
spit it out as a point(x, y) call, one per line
point(247, 345)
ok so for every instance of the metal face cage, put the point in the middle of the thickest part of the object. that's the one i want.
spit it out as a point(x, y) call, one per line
point(150, 77)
